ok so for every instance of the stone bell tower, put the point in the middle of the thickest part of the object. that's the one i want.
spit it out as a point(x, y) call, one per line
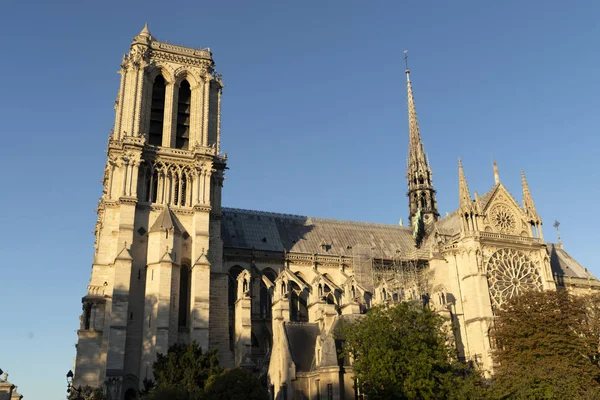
point(157, 267)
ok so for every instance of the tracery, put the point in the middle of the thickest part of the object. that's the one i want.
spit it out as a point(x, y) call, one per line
point(510, 273)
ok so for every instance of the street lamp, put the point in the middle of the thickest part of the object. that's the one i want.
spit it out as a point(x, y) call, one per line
point(70, 386)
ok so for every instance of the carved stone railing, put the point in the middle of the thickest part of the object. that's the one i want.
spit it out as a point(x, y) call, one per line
point(96, 291)
point(501, 236)
point(188, 51)
point(168, 151)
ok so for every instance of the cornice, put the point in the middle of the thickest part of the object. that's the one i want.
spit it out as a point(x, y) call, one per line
point(128, 200)
point(276, 257)
point(200, 54)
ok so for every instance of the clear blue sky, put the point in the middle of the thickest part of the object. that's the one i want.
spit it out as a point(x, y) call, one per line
point(314, 122)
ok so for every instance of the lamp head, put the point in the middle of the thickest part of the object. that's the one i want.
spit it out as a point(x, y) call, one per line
point(69, 377)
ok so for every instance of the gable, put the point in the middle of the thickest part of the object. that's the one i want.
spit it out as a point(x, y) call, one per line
point(502, 214)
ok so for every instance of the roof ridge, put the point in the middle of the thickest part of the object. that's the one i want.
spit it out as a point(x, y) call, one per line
point(305, 217)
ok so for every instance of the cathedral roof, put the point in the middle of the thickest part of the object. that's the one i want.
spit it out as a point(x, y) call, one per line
point(565, 265)
point(449, 224)
point(330, 349)
point(302, 338)
point(302, 234)
point(486, 197)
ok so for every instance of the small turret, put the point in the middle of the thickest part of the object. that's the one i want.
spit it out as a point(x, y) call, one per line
point(464, 196)
point(144, 37)
point(469, 210)
point(529, 209)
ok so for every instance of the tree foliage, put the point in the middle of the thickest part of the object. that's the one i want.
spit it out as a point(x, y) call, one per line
point(185, 373)
point(547, 347)
point(400, 352)
point(185, 366)
point(235, 383)
point(182, 373)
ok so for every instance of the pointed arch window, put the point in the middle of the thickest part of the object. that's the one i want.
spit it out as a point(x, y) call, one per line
point(157, 112)
point(182, 137)
point(266, 302)
point(298, 303)
point(231, 298)
point(423, 201)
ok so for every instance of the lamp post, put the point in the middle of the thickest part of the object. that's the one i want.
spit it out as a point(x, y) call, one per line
point(71, 388)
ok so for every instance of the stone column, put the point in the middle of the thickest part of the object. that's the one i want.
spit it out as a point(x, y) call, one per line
point(196, 108)
point(200, 295)
point(119, 311)
point(205, 110)
point(243, 318)
point(170, 120)
point(218, 146)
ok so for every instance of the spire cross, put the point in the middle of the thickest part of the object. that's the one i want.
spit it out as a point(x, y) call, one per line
point(556, 225)
point(407, 71)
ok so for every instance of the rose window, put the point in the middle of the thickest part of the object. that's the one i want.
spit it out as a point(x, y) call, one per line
point(503, 219)
point(510, 273)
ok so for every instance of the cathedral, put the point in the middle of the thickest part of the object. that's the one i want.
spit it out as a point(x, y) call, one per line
point(269, 290)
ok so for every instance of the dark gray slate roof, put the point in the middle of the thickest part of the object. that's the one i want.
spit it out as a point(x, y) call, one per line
point(302, 337)
point(331, 349)
point(302, 234)
point(449, 224)
point(563, 264)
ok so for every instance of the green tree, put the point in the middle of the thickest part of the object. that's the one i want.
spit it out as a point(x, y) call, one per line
point(400, 352)
point(182, 373)
point(237, 383)
point(547, 347)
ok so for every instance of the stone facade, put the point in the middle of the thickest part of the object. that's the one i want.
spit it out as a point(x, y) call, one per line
point(270, 290)
point(8, 391)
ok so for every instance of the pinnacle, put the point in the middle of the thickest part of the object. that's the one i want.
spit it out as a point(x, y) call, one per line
point(528, 204)
point(145, 31)
point(463, 189)
point(496, 175)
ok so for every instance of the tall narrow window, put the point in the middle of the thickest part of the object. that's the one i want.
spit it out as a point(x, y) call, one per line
point(298, 304)
point(318, 389)
point(177, 194)
point(184, 295)
point(183, 116)
point(157, 112)
point(153, 187)
point(183, 190)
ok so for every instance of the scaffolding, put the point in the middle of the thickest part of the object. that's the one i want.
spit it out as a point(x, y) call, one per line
point(362, 261)
point(405, 275)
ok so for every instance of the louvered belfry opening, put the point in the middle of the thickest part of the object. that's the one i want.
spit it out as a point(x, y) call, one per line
point(183, 116)
point(157, 112)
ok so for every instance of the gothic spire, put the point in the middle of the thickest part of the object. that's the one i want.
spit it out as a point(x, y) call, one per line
point(416, 154)
point(528, 205)
point(421, 195)
point(464, 196)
